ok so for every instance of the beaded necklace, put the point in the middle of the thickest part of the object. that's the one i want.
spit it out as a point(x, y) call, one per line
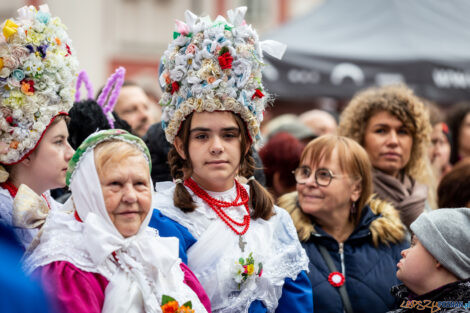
point(217, 205)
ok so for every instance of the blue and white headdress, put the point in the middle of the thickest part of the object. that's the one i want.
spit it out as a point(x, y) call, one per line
point(215, 66)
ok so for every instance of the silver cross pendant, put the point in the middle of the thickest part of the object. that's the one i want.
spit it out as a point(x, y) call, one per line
point(241, 243)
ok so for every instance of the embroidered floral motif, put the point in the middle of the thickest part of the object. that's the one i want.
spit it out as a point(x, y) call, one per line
point(247, 268)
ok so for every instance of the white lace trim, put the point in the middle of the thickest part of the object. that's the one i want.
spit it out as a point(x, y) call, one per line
point(62, 240)
point(273, 242)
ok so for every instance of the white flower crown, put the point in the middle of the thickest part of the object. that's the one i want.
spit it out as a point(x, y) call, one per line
point(214, 66)
point(37, 79)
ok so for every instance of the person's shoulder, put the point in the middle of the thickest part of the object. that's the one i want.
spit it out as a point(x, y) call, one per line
point(6, 206)
point(67, 271)
point(166, 225)
point(288, 201)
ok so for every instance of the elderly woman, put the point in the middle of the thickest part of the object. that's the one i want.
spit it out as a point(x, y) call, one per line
point(353, 243)
point(392, 125)
point(98, 254)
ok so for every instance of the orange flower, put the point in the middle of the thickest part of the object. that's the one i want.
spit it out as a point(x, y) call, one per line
point(14, 144)
point(185, 309)
point(57, 40)
point(27, 87)
point(170, 307)
point(211, 79)
point(166, 75)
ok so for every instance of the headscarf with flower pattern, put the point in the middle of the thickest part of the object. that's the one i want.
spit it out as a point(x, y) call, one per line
point(215, 66)
point(37, 79)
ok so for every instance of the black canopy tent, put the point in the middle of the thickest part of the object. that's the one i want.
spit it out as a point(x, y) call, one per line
point(343, 46)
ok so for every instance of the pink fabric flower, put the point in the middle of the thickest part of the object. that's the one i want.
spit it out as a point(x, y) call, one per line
point(190, 49)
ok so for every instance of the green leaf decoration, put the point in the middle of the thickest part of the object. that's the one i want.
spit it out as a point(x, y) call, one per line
point(241, 261)
point(223, 50)
point(188, 305)
point(176, 35)
point(226, 27)
point(166, 299)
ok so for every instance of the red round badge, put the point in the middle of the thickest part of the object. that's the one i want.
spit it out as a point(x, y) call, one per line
point(336, 279)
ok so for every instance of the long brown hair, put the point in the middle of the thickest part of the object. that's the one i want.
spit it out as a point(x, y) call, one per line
point(260, 202)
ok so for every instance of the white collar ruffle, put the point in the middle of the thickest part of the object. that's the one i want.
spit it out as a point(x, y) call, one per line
point(140, 269)
point(213, 257)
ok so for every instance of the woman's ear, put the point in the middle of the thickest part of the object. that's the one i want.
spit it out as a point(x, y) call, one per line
point(26, 161)
point(179, 146)
point(356, 190)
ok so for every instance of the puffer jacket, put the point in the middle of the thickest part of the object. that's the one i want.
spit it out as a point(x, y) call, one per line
point(453, 297)
point(368, 258)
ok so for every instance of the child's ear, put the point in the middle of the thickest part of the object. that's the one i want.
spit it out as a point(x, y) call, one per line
point(180, 147)
point(26, 161)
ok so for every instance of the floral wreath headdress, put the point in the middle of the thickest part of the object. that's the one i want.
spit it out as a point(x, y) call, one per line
point(108, 96)
point(215, 66)
point(37, 75)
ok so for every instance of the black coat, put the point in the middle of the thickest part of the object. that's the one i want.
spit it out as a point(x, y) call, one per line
point(449, 298)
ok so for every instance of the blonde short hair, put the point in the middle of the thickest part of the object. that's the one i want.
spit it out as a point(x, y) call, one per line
point(353, 160)
point(114, 151)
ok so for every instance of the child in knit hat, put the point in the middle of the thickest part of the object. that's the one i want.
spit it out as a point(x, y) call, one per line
point(435, 270)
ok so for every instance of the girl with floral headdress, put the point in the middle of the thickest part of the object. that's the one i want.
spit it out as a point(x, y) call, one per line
point(245, 250)
point(37, 75)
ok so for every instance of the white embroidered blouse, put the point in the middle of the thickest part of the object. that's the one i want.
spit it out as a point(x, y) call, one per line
point(214, 257)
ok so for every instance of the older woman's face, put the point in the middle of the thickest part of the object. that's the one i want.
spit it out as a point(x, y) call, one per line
point(127, 193)
point(388, 143)
point(321, 202)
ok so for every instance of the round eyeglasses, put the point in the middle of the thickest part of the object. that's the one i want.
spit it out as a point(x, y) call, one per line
point(323, 176)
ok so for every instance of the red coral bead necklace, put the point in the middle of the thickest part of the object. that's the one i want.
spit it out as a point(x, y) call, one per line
point(217, 205)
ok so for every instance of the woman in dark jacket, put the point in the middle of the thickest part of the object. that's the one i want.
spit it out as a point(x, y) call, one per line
point(332, 208)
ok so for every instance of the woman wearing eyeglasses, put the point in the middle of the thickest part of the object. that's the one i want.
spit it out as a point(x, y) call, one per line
point(353, 241)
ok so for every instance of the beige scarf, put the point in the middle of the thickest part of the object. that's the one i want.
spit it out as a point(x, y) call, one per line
point(407, 196)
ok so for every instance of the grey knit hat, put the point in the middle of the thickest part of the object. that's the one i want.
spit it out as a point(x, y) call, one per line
point(445, 234)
